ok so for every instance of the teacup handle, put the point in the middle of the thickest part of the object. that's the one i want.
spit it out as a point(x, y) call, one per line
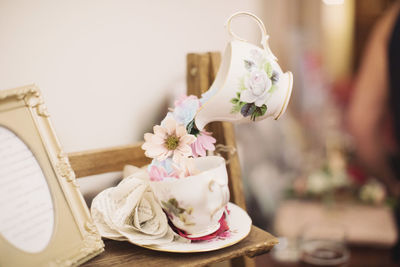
point(225, 199)
point(264, 37)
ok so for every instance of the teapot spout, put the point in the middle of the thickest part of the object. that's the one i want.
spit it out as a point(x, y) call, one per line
point(201, 121)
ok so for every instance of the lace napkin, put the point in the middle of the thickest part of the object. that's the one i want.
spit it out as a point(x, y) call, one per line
point(131, 212)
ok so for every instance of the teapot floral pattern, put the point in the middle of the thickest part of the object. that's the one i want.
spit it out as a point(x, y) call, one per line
point(255, 87)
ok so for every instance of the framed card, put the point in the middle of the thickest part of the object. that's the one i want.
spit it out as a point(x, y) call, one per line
point(44, 220)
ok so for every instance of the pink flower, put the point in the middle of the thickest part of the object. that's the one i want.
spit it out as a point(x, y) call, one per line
point(203, 142)
point(169, 140)
point(157, 173)
point(183, 98)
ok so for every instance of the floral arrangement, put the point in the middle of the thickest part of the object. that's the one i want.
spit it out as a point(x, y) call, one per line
point(255, 87)
point(173, 146)
point(175, 143)
point(337, 180)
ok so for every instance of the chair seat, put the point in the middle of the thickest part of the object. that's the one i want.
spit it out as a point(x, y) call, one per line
point(119, 253)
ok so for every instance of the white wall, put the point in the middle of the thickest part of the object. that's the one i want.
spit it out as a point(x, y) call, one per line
point(107, 67)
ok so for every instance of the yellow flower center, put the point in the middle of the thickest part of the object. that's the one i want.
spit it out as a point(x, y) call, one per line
point(172, 142)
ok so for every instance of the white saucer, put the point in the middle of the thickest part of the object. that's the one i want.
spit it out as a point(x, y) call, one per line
point(239, 224)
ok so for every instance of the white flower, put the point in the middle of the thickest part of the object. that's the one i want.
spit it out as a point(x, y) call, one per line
point(257, 85)
point(318, 183)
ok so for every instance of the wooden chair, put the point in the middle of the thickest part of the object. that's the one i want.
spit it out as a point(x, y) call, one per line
point(201, 71)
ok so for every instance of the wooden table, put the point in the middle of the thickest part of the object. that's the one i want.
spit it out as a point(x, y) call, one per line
point(370, 230)
point(364, 224)
point(360, 256)
point(125, 254)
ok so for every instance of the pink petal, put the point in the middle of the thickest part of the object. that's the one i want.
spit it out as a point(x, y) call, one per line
point(209, 146)
point(207, 142)
point(147, 145)
point(153, 147)
point(185, 150)
point(157, 173)
point(147, 136)
point(193, 146)
point(181, 131)
point(209, 138)
point(158, 156)
point(200, 150)
point(170, 125)
point(187, 139)
point(180, 100)
point(162, 157)
point(160, 131)
point(156, 139)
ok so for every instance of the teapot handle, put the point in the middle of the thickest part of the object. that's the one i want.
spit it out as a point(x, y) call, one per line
point(264, 35)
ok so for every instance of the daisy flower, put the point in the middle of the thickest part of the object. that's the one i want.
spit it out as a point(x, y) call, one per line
point(170, 139)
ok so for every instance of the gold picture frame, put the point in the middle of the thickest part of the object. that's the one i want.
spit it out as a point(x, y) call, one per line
point(74, 238)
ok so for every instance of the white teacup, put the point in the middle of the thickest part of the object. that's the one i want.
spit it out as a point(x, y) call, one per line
point(195, 204)
point(251, 72)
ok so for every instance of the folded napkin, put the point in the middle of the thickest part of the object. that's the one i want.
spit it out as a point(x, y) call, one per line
point(131, 212)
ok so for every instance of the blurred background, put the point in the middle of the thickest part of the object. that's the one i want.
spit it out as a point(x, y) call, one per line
point(110, 69)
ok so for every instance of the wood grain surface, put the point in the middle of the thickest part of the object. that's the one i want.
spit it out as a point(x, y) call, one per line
point(119, 253)
point(98, 161)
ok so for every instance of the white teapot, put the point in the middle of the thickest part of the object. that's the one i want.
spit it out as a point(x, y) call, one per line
point(249, 85)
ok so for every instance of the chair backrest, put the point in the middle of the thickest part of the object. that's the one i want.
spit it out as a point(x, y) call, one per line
point(201, 72)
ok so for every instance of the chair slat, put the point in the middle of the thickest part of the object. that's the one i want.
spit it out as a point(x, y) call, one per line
point(99, 161)
point(201, 72)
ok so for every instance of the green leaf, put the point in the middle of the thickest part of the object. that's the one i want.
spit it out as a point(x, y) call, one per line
point(173, 202)
point(242, 86)
point(253, 116)
point(263, 109)
point(273, 88)
point(192, 129)
point(234, 100)
point(258, 111)
point(238, 106)
point(235, 108)
point(172, 206)
point(268, 69)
